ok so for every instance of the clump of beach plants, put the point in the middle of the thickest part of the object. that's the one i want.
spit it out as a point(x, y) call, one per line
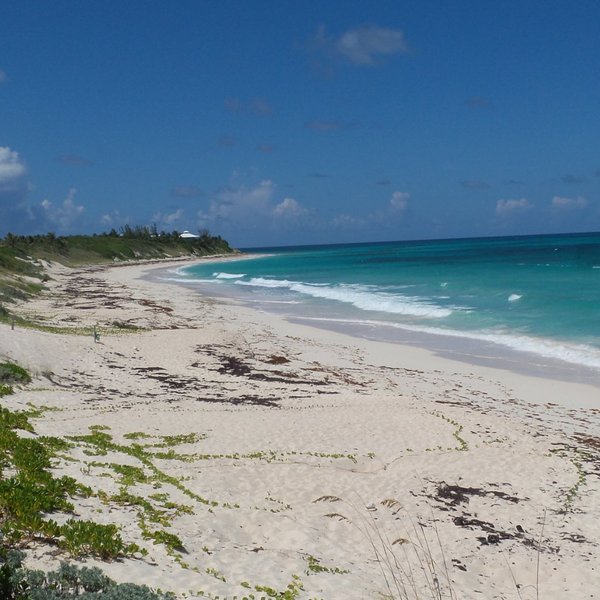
point(10, 373)
point(65, 583)
point(30, 493)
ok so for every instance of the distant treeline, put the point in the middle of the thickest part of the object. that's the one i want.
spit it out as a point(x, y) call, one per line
point(130, 242)
point(20, 255)
point(139, 232)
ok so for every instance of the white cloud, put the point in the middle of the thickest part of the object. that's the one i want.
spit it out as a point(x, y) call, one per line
point(245, 207)
point(563, 202)
point(399, 201)
point(66, 213)
point(507, 207)
point(289, 208)
point(167, 219)
point(258, 106)
point(113, 219)
point(2, 76)
point(392, 213)
point(12, 169)
point(361, 46)
point(345, 221)
point(237, 204)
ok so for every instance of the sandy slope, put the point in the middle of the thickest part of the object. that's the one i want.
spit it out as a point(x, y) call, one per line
point(313, 449)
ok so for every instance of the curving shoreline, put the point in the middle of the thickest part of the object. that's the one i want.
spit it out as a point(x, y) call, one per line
point(288, 418)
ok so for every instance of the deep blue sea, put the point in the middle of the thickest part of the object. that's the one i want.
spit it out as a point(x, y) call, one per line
point(532, 299)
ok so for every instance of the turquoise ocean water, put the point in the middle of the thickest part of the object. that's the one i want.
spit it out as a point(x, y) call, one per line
point(532, 301)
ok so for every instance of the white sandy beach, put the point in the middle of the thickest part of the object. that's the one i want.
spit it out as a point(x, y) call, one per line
point(314, 454)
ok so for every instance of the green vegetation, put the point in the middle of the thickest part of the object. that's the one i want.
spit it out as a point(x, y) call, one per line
point(5, 390)
point(131, 243)
point(462, 443)
point(291, 592)
point(216, 574)
point(11, 373)
point(67, 582)
point(99, 443)
point(35, 504)
point(16, 274)
point(85, 538)
point(578, 458)
point(21, 271)
point(29, 492)
point(315, 566)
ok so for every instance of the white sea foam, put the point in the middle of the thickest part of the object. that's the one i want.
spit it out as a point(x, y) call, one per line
point(279, 301)
point(514, 297)
point(184, 280)
point(577, 354)
point(224, 275)
point(360, 296)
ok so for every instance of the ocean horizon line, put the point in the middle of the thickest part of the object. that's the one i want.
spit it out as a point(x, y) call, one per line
point(252, 249)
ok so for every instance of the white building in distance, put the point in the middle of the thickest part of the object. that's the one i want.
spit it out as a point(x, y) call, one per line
point(188, 236)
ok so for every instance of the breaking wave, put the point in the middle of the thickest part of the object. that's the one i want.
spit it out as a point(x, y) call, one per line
point(359, 296)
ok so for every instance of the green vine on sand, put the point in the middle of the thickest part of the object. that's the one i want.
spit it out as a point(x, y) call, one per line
point(462, 443)
point(577, 461)
point(31, 492)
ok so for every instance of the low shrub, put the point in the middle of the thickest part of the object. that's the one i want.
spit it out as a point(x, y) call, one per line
point(5, 390)
point(85, 538)
point(11, 373)
point(65, 583)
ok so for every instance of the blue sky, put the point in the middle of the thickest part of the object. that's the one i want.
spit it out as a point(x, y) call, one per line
point(276, 122)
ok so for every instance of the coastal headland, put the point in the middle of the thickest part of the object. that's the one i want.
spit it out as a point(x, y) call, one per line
point(247, 456)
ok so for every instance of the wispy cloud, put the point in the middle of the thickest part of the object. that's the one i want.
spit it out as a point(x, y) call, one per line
point(563, 202)
point(243, 207)
point(13, 192)
point(3, 76)
point(345, 221)
point(20, 215)
point(289, 208)
point(392, 213)
point(399, 201)
point(256, 106)
point(265, 148)
point(12, 170)
point(65, 214)
point(186, 191)
point(168, 220)
point(478, 102)
point(363, 46)
point(114, 219)
point(573, 179)
point(259, 106)
point(505, 208)
point(73, 160)
point(475, 184)
point(227, 141)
